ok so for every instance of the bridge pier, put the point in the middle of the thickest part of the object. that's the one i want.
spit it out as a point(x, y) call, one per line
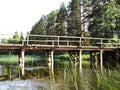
point(21, 62)
point(101, 60)
point(76, 58)
point(50, 60)
point(80, 60)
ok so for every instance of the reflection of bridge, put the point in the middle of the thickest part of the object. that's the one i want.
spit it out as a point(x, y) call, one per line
point(52, 43)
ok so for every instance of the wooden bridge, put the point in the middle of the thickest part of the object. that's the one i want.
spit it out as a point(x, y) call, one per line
point(52, 43)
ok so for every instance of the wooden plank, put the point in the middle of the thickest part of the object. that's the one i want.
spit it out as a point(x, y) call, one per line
point(60, 42)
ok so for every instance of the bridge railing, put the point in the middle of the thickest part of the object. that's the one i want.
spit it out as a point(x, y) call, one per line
point(49, 40)
point(71, 41)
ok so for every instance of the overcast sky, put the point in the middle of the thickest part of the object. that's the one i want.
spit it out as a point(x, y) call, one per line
point(21, 15)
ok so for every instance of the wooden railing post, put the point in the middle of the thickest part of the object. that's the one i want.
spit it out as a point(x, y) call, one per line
point(80, 42)
point(23, 42)
point(67, 43)
point(53, 43)
point(101, 42)
point(58, 43)
point(27, 39)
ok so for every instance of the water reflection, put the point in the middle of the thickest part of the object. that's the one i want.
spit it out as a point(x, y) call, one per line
point(1, 69)
point(23, 85)
point(66, 76)
point(52, 78)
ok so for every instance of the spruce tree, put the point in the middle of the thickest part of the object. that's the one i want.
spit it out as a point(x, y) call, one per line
point(106, 19)
point(51, 23)
point(40, 27)
point(74, 18)
point(61, 21)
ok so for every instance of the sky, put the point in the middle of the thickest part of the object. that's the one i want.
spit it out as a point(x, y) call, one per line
point(21, 15)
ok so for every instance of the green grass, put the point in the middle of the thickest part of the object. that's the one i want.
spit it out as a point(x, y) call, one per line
point(8, 58)
point(86, 64)
point(66, 56)
point(85, 56)
point(64, 59)
point(61, 58)
point(13, 59)
point(93, 79)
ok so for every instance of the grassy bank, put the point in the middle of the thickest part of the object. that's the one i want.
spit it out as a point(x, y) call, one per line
point(67, 76)
point(61, 58)
point(6, 59)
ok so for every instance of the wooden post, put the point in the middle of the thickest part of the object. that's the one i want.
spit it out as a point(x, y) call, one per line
point(80, 59)
point(21, 62)
point(27, 39)
point(58, 41)
point(101, 60)
point(51, 60)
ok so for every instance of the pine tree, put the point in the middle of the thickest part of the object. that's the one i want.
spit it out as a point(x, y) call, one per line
point(16, 36)
point(61, 21)
point(21, 36)
point(74, 18)
point(51, 23)
point(105, 19)
point(40, 27)
point(14, 40)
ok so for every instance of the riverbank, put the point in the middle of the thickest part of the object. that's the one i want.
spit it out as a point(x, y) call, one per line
point(61, 58)
point(65, 76)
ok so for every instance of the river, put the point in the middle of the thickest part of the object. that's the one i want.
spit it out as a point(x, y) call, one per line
point(65, 77)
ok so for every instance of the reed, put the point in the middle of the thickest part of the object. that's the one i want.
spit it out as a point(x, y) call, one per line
point(89, 79)
point(68, 76)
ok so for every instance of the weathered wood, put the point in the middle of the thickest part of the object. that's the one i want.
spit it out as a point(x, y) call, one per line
point(101, 60)
point(52, 43)
point(66, 41)
point(22, 62)
point(50, 60)
point(57, 42)
point(80, 58)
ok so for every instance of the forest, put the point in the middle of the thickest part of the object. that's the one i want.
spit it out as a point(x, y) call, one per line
point(81, 18)
point(84, 18)
point(94, 18)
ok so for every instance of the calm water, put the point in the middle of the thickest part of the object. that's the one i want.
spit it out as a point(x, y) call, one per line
point(38, 76)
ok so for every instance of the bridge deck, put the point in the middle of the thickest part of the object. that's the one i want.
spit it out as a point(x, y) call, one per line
point(51, 47)
point(48, 42)
point(51, 43)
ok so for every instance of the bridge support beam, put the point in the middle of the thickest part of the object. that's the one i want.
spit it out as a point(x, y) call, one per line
point(80, 60)
point(76, 58)
point(101, 60)
point(50, 60)
point(21, 62)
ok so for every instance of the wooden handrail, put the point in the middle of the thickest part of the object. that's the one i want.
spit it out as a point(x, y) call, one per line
point(60, 40)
